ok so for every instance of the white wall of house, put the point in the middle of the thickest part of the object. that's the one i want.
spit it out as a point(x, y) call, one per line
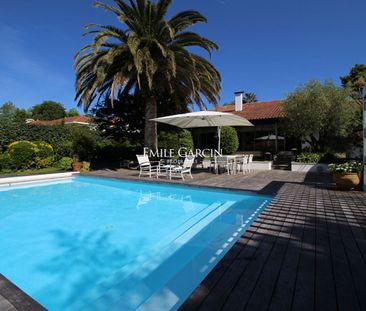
point(309, 167)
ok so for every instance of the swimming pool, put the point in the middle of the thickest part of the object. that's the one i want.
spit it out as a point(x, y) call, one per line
point(103, 244)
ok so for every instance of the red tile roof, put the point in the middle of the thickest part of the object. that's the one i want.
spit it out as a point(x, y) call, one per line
point(67, 120)
point(258, 110)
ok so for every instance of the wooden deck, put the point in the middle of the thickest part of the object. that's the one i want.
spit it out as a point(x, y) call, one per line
point(306, 251)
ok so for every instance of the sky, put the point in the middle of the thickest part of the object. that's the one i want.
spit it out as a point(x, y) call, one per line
point(267, 47)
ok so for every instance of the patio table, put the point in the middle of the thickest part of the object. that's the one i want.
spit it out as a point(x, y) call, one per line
point(233, 159)
point(167, 168)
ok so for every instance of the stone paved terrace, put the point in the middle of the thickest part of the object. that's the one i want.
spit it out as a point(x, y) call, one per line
point(306, 251)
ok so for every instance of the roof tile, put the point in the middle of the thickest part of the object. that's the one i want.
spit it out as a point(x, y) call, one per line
point(258, 110)
point(78, 119)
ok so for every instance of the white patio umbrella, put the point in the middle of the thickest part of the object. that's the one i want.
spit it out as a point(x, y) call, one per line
point(205, 119)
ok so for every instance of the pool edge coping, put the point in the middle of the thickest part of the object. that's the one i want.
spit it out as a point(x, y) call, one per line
point(19, 180)
point(17, 298)
point(167, 182)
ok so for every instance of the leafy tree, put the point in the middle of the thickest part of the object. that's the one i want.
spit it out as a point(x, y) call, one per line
point(20, 115)
point(148, 56)
point(48, 110)
point(318, 113)
point(73, 112)
point(122, 120)
point(356, 80)
point(7, 109)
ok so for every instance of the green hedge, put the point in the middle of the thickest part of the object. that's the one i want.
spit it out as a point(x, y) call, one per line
point(308, 157)
point(312, 157)
point(66, 140)
point(55, 135)
point(110, 150)
point(5, 161)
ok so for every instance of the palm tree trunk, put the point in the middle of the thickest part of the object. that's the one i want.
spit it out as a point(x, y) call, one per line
point(151, 131)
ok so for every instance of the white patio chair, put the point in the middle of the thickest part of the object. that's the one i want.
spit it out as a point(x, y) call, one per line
point(223, 162)
point(250, 162)
point(146, 167)
point(179, 171)
point(212, 166)
point(242, 164)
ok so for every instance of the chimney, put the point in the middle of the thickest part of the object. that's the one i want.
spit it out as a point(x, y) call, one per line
point(239, 101)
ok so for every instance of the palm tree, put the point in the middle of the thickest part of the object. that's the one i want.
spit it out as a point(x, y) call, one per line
point(148, 56)
point(250, 98)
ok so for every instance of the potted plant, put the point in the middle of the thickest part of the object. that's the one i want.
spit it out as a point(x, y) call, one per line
point(76, 164)
point(346, 175)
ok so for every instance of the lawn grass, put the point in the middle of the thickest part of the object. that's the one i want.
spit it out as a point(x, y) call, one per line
point(47, 170)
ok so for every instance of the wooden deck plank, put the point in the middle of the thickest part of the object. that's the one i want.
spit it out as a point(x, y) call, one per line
point(325, 292)
point(262, 294)
point(200, 294)
point(220, 292)
point(303, 298)
point(345, 290)
point(217, 296)
point(355, 260)
point(244, 287)
point(285, 287)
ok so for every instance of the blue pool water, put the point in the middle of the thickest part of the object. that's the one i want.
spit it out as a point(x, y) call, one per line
point(102, 244)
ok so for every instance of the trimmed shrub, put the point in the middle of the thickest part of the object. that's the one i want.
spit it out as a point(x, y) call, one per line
point(5, 161)
point(63, 149)
point(186, 139)
point(64, 163)
point(109, 150)
point(311, 157)
point(229, 140)
point(44, 150)
point(175, 140)
point(85, 166)
point(308, 157)
point(83, 142)
point(44, 162)
point(22, 154)
point(44, 155)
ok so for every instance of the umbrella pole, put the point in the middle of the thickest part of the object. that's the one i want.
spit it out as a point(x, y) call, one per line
point(219, 136)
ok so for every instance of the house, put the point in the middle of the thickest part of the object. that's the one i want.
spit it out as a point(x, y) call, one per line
point(267, 135)
point(83, 120)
